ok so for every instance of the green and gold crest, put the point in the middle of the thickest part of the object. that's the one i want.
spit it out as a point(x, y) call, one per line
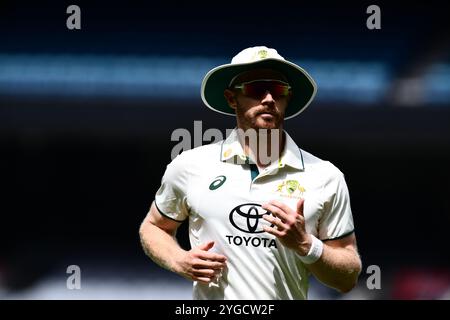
point(262, 54)
point(290, 188)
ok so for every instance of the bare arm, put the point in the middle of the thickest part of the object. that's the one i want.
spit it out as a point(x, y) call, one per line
point(157, 234)
point(158, 240)
point(338, 267)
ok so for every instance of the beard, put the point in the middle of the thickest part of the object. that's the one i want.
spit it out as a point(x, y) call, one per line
point(262, 117)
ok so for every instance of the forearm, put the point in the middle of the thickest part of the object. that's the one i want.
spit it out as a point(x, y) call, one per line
point(337, 267)
point(160, 246)
point(339, 264)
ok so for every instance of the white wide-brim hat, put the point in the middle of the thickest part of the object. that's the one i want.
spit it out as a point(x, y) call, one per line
point(218, 79)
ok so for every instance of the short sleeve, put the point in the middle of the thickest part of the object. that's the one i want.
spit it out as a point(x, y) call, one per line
point(337, 219)
point(171, 197)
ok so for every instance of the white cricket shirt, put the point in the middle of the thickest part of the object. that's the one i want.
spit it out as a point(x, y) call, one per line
point(222, 200)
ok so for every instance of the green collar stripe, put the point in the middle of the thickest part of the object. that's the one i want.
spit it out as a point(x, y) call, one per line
point(254, 171)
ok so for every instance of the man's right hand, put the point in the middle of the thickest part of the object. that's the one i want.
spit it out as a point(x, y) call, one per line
point(198, 264)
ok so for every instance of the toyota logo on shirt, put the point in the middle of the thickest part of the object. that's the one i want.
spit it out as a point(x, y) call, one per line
point(248, 217)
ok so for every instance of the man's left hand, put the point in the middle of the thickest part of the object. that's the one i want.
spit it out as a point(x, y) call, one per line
point(288, 225)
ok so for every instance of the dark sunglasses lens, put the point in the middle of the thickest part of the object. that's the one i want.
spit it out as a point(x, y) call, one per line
point(258, 89)
point(255, 89)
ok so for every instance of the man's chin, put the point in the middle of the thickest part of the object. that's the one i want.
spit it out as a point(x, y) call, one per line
point(263, 124)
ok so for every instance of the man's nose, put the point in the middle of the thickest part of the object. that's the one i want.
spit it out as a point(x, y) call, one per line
point(268, 98)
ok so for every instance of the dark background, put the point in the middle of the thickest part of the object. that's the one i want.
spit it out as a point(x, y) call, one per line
point(79, 171)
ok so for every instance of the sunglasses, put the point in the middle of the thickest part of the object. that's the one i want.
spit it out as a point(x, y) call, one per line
point(258, 88)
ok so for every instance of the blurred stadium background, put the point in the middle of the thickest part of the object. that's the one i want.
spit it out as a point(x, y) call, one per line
point(86, 119)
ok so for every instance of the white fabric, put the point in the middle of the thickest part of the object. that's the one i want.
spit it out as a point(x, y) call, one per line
point(258, 266)
point(254, 54)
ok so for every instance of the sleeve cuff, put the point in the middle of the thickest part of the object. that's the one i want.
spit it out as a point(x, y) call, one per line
point(165, 214)
point(341, 236)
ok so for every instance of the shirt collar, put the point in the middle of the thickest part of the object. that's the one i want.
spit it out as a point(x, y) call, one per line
point(231, 148)
point(291, 156)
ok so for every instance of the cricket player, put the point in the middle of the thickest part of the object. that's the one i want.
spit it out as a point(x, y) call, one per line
point(259, 222)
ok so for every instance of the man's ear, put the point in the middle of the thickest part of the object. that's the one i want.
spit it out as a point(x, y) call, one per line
point(231, 98)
